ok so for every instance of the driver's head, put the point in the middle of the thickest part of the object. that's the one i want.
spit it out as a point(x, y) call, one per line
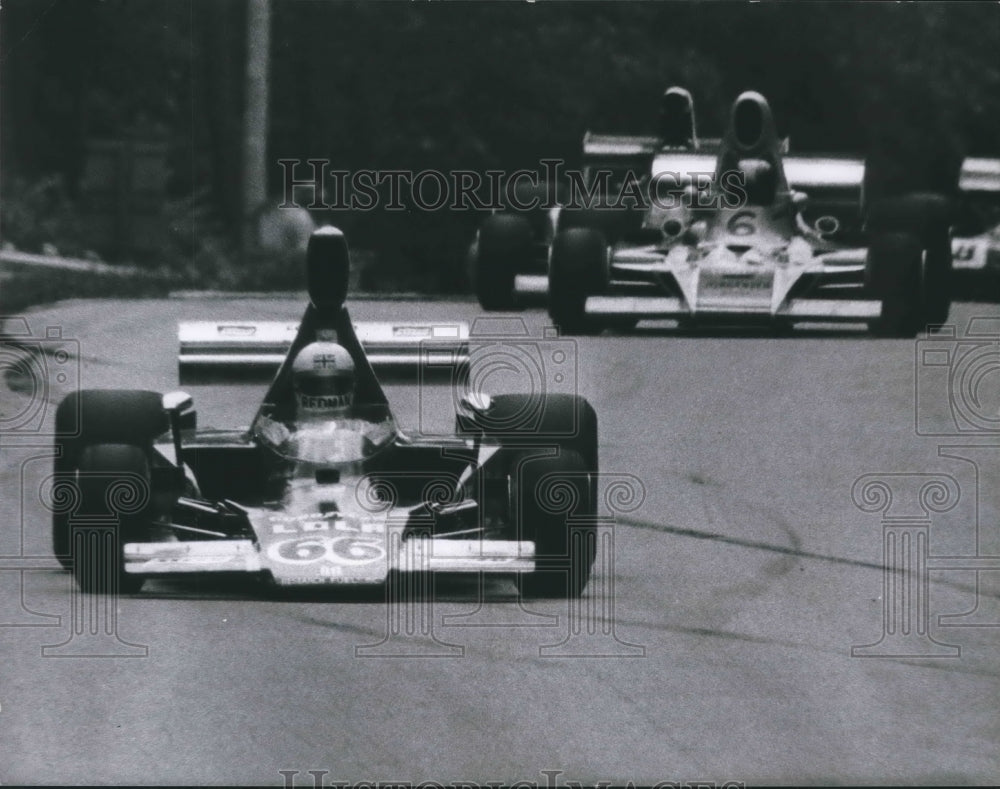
point(323, 378)
point(761, 181)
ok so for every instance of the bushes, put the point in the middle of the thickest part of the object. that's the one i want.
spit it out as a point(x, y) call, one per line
point(37, 216)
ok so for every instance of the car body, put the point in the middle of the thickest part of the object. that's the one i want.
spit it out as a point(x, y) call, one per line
point(341, 500)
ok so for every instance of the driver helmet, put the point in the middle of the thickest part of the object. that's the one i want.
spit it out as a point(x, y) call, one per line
point(323, 379)
point(761, 181)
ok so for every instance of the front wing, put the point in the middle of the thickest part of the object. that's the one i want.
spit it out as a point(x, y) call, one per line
point(738, 292)
point(418, 554)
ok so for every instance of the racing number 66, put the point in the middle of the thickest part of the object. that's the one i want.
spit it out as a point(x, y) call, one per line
point(335, 550)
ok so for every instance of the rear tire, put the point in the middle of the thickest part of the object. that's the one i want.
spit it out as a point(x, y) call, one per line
point(577, 269)
point(504, 247)
point(115, 492)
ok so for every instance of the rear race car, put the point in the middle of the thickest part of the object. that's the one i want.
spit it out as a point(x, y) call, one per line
point(746, 248)
point(313, 495)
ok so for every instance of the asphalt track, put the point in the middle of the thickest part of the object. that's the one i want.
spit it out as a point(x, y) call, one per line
point(716, 647)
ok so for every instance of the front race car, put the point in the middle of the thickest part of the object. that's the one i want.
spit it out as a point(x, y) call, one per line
point(329, 510)
point(323, 487)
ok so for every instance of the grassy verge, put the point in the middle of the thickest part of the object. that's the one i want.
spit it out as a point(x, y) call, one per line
point(22, 289)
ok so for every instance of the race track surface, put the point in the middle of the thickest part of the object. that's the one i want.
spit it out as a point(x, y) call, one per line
point(716, 645)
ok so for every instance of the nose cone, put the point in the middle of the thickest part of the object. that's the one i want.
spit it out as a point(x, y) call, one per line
point(751, 122)
point(328, 265)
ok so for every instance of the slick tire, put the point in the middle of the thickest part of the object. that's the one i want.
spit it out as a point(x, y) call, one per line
point(556, 509)
point(96, 416)
point(578, 268)
point(894, 273)
point(115, 496)
point(563, 420)
point(504, 248)
point(927, 217)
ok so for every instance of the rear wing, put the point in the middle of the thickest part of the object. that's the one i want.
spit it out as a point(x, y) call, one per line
point(210, 350)
point(979, 200)
point(615, 146)
point(980, 176)
point(821, 174)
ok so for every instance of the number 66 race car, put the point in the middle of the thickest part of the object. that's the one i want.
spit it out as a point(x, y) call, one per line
point(324, 488)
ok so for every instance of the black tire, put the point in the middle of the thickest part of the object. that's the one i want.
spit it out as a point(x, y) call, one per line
point(115, 498)
point(564, 420)
point(939, 278)
point(927, 217)
point(504, 247)
point(556, 509)
point(894, 273)
point(578, 268)
point(99, 416)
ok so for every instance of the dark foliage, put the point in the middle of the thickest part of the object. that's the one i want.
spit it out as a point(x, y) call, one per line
point(477, 86)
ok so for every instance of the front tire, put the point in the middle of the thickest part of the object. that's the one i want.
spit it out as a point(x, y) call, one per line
point(557, 510)
point(577, 269)
point(925, 217)
point(504, 247)
point(115, 496)
point(98, 416)
point(522, 420)
point(895, 273)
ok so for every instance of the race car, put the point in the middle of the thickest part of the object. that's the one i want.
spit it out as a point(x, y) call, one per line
point(741, 252)
point(514, 254)
point(508, 257)
point(976, 242)
point(324, 487)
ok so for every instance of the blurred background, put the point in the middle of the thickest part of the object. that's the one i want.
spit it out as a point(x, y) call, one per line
point(125, 124)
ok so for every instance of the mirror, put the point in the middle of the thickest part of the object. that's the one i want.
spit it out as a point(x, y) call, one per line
point(452, 508)
point(476, 402)
point(177, 402)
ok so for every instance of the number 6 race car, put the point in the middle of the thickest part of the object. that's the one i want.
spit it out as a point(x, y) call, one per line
point(731, 231)
point(739, 250)
point(345, 497)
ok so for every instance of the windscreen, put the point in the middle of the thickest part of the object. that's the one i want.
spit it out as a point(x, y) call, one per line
point(358, 434)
